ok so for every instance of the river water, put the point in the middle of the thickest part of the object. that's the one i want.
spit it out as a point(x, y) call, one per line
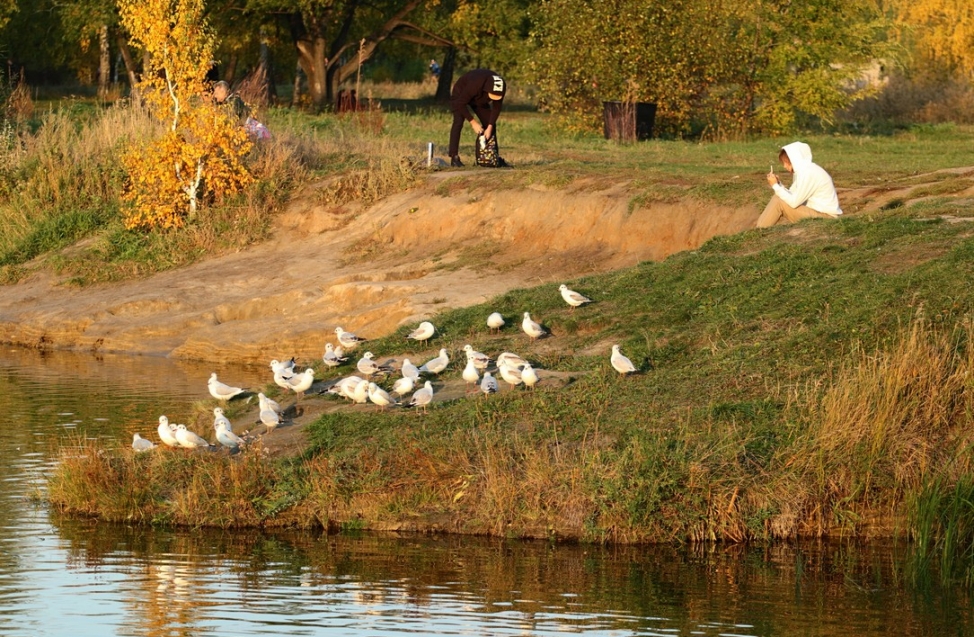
point(76, 577)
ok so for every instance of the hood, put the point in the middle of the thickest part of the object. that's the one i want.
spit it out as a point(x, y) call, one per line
point(799, 154)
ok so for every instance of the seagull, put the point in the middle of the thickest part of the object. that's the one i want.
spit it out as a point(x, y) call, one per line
point(221, 391)
point(511, 375)
point(495, 321)
point(480, 360)
point(436, 365)
point(345, 387)
point(511, 360)
point(360, 395)
point(281, 379)
point(269, 417)
point(422, 333)
point(470, 373)
point(268, 403)
point(227, 438)
point(620, 363)
point(369, 367)
point(380, 396)
point(423, 396)
point(189, 439)
point(141, 444)
point(347, 339)
point(219, 418)
point(409, 370)
point(167, 432)
point(403, 386)
point(529, 376)
point(531, 328)
point(283, 368)
point(330, 358)
point(301, 383)
point(572, 297)
point(489, 384)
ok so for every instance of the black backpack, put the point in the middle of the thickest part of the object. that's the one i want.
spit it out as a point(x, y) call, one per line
point(486, 153)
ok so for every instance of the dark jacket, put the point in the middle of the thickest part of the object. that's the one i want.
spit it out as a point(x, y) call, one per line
point(472, 89)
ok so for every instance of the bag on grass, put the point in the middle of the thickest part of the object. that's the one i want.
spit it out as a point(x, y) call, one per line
point(486, 153)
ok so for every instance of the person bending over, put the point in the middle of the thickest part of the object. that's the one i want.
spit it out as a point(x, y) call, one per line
point(479, 92)
point(811, 195)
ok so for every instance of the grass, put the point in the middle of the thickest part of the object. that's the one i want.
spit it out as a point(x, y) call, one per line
point(801, 381)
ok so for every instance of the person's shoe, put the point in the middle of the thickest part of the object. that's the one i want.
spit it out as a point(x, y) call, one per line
point(502, 164)
point(455, 162)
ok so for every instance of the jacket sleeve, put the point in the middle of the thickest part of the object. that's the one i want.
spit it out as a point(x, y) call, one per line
point(495, 110)
point(798, 194)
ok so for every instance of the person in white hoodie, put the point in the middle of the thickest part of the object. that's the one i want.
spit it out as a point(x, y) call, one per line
point(811, 195)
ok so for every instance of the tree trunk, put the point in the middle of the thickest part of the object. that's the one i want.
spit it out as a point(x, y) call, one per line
point(269, 89)
point(310, 42)
point(296, 94)
point(104, 62)
point(123, 48)
point(372, 42)
point(445, 82)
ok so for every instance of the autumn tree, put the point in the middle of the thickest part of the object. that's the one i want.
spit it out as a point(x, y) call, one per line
point(200, 155)
point(943, 30)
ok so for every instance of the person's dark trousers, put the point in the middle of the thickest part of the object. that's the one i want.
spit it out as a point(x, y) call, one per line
point(483, 114)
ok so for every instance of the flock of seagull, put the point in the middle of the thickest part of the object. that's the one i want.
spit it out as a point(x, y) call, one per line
point(509, 367)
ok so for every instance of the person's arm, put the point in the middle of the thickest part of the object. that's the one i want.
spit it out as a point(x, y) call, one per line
point(797, 194)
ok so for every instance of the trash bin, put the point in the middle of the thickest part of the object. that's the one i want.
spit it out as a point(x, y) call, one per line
point(628, 121)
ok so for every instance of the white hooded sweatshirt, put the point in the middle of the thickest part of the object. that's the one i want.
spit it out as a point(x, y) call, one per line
point(811, 185)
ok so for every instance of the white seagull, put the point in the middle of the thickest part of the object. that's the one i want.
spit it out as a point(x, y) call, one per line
point(189, 439)
point(409, 370)
point(219, 418)
point(511, 375)
point(141, 444)
point(360, 395)
point(227, 438)
point(572, 297)
point(511, 360)
point(423, 396)
point(480, 360)
point(470, 374)
point(268, 403)
point(403, 386)
point(436, 365)
point(283, 368)
point(531, 328)
point(269, 417)
point(281, 379)
point(495, 321)
point(345, 386)
point(300, 383)
point(380, 396)
point(167, 432)
point(221, 391)
point(529, 376)
point(422, 333)
point(489, 384)
point(369, 367)
point(330, 358)
point(347, 339)
point(620, 363)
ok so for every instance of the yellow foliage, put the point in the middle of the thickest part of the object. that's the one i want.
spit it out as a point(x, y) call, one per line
point(201, 157)
point(944, 29)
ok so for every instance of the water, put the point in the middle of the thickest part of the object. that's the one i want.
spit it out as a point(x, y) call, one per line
point(78, 577)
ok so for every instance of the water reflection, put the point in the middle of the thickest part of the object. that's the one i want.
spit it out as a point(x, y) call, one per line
point(68, 576)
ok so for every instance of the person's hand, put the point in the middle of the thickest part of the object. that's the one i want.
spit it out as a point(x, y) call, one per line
point(477, 128)
point(489, 131)
point(773, 179)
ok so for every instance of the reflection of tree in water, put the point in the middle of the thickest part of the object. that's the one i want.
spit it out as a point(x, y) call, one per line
point(814, 588)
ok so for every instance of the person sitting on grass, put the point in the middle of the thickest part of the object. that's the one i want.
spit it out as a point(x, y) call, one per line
point(238, 110)
point(811, 195)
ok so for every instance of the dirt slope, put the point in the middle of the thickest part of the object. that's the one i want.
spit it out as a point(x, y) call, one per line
point(404, 259)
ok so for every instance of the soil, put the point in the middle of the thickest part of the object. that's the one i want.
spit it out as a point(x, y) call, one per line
point(401, 261)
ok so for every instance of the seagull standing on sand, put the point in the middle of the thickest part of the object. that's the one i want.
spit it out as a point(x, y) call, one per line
point(531, 328)
point(470, 374)
point(330, 358)
point(495, 322)
point(347, 339)
point(345, 387)
point(269, 417)
point(620, 363)
point(423, 396)
point(409, 370)
point(167, 432)
point(227, 438)
point(489, 384)
point(221, 391)
point(380, 396)
point(189, 439)
point(267, 403)
point(140, 444)
point(572, 297)
point(403, 386)
point(529, 376)
point(511, 375)
point(422, 333)
point(436, 365)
